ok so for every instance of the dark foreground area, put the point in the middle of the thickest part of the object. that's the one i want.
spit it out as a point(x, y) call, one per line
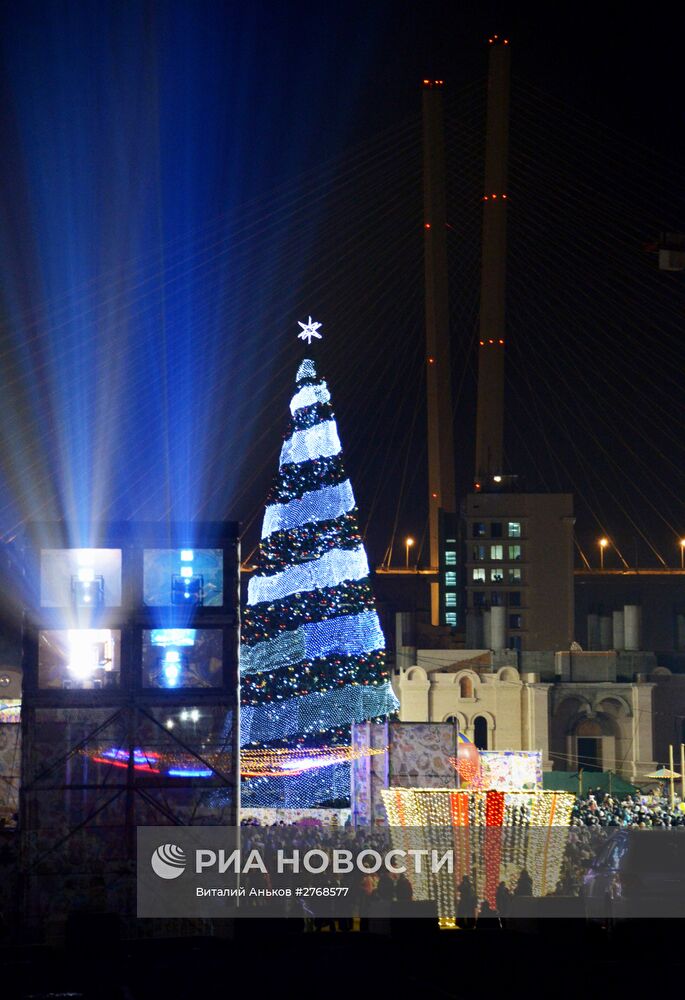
point(260, 959)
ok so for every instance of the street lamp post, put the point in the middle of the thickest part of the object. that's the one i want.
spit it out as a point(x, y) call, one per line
point(603, 542)
point(408, 542)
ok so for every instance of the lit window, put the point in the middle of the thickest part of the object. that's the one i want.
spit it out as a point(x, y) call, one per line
point(479, 574)
point(496, 575)
point(479, 530)
point(451, 618)
point(450, 558)
point(514, 575)
point(497, 551)
point(514, 598)
point(478, 553)
point(496, 529)
point(514, 529)
point(451, 600)
point(450, 579)
point(514, 552)
point(515, 621)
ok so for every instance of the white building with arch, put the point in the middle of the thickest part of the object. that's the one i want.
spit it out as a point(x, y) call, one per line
point(605, 724)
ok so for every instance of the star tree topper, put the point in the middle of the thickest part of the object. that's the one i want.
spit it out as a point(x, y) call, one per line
point(309, 330)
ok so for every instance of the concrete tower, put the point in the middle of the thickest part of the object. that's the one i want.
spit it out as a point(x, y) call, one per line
point(490, 413)
point(442, 504)
point(441, 492)
point(519, 546)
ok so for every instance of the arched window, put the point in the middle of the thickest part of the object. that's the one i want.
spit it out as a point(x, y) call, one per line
point(466, 687)
point(480, 732)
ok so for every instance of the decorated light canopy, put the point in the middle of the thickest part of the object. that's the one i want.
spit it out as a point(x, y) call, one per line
point(312, 651)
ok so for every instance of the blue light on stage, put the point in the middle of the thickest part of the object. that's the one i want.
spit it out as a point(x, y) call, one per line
point(171, 667)
point(187, 589)
point(172, 637)
point(197, 572)
point(179, 772)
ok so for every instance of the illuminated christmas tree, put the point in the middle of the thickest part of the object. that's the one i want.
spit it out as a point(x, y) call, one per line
point(312, 654)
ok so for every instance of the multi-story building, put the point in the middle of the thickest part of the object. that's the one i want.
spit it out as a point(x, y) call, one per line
point(519, 570)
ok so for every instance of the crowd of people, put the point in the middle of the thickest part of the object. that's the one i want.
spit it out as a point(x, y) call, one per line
point(593, 817)
point(636, 811)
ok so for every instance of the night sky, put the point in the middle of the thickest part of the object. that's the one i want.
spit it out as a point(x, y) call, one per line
point(183, 181)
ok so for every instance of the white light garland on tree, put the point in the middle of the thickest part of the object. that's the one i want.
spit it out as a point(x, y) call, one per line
point(320, 441)
point(329, 570)
point(322, 504)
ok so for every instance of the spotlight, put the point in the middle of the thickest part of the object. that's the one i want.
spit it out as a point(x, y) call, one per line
point(87, 589)
point(172, 665)
point(87, 652)
point(187, 555)
point(187, 588)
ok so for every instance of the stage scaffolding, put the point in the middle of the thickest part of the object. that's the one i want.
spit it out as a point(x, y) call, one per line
point(130, 713)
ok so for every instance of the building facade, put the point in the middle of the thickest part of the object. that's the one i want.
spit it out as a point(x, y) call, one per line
point(519, 570)
point(587, 715)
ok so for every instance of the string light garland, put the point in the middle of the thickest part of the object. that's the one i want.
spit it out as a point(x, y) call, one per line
point(323, 786)
point(309, 395)
point(263, 621)
point(284, 548)
point(496, 835)
point(314, 505)
point(293, 481)
point(309, 416)
point(351, 634)
point(317, 441)
point(312, 655)
point(283, 762)
point(329, 570)
point(310, 676)
point(313, 713)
